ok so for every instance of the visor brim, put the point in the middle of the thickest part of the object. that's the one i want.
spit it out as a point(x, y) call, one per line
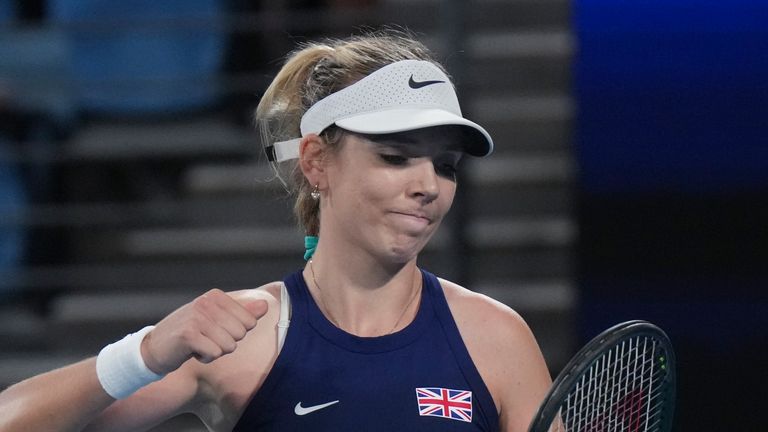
point(478, 141)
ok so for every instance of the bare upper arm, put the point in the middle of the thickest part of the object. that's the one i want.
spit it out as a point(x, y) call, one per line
point(216, 392)
point(505, 353)
point(228, 384)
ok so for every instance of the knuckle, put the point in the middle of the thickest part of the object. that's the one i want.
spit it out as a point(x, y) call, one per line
point(229, 348)
point(210, 355)
point(218, 352)
point(188, 334)
point(203, 358)
point(214, 293)
point(201, 303)
point(239, 333)
point(250, 322)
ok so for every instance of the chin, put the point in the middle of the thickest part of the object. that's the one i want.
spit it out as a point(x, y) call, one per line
point(402, 246)
point(403, 253)
point(401, 257)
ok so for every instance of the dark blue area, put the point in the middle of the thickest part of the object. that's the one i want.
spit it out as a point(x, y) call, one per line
point(672, 146)
point(692, 312)
point(672, 96)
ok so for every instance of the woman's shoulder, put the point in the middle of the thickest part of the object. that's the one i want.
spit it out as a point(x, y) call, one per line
point(269, 292)
point(474, 309)
point(504, 350)
point(260, 342)
point(230, 381)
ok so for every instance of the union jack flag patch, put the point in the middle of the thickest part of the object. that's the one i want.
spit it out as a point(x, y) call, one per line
point(446, 403)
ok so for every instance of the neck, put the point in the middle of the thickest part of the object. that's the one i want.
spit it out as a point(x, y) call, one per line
point(365, 300)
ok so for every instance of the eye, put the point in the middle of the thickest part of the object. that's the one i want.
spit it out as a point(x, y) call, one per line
point(446, 170)
point(447, 165)
point(393, 159)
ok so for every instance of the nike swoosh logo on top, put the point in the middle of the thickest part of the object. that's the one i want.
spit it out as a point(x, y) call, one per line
point(419, 84)
point(300, 410)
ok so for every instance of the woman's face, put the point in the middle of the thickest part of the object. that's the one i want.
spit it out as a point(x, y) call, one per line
point(389, 193)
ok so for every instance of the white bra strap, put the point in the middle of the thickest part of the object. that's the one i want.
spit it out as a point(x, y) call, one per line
point(284, 320)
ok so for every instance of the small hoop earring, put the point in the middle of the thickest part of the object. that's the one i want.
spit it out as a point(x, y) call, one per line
point(315, 194)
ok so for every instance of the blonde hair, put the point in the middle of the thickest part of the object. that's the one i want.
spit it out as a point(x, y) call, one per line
point(312, 72)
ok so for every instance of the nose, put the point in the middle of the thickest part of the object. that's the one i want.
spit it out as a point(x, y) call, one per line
point(424, 183)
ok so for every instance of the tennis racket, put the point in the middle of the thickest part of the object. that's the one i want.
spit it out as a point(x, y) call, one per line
point(623, 380)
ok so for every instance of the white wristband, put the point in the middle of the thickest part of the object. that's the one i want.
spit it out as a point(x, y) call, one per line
point(120, 367)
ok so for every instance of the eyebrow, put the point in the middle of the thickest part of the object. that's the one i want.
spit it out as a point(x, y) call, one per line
point(406, 142)
point(392, 140)
point(408, 148)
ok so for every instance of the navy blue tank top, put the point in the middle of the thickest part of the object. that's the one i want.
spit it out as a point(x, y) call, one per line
point(325, 379)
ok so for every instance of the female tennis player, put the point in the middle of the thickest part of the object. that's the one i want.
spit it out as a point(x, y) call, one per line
point(361, 338)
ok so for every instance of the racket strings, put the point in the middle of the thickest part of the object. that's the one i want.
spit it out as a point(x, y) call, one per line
point(621, 392)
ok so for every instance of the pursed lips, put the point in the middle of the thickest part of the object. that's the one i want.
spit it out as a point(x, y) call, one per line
point(415, 214)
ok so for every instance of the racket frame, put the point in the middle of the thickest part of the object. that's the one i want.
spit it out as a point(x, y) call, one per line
point(583, 360)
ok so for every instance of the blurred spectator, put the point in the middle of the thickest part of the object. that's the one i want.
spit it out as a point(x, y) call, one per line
point(143, 56)
point(35, 102)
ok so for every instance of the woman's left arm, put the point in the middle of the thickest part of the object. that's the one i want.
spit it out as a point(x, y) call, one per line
point(521, 372)
point(505, 353)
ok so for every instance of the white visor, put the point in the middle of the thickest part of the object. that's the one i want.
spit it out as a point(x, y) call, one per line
point(402, 96)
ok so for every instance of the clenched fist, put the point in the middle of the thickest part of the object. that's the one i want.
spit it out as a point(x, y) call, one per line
point(206, 328)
